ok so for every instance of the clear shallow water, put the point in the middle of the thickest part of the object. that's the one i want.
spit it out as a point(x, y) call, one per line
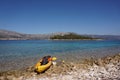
point(24, 53)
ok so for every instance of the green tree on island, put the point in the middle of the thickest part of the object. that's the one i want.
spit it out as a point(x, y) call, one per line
point(70, 36)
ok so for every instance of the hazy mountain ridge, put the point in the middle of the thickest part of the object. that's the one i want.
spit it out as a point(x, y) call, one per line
point(12, 35)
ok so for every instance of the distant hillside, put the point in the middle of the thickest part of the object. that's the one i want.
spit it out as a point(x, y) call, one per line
point(12, 35)
point(106, 37)
point(5, 34)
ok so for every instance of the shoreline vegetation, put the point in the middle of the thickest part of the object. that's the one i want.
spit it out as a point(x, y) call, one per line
point(106, 68)
point(70, 36)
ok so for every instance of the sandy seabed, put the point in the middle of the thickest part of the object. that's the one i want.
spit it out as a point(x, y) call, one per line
point(106, 68)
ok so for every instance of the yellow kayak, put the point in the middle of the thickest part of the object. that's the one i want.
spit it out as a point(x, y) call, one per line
point(41, 68)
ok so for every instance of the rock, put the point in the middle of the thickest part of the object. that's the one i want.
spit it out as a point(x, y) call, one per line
point(10, 77)
point(2, 78)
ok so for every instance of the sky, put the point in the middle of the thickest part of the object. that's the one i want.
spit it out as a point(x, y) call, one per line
point(47, 16)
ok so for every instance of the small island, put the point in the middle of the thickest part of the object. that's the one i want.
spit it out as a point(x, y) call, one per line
point(71, 36)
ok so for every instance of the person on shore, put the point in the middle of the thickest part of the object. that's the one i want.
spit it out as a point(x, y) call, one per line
point(46, 59)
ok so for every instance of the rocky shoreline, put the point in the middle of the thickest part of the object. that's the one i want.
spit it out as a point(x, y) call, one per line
point(107, 68)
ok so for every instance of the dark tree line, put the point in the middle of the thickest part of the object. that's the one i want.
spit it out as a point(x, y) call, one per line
point(70, 36)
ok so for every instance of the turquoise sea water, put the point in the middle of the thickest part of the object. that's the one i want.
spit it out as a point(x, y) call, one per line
point(17, 54)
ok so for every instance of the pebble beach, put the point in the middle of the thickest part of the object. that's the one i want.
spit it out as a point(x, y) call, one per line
point(106, 68)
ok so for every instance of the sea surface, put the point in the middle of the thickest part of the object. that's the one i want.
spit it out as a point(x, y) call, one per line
point(17, 54)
